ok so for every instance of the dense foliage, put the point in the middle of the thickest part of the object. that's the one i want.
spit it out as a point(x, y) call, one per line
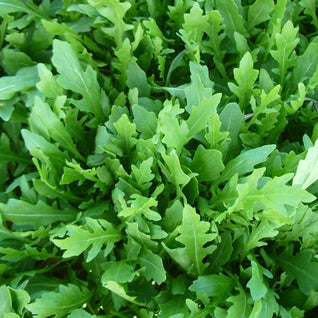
point(159, 158)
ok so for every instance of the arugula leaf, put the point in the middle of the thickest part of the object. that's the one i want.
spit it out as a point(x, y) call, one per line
point(201, 114)
point(153, 266)
point(246, 162)
point(120, 291)
point(259, 12)
point(207, 163)
point(73, 77)
point(284, 54)
point(301, 268)
point(245, 76)
point(59, 303)
point(310, 9)
point(115, 12)
point(94, 232)
point(194, 236)
point(232, 19)
point(24, 79)
point(213, 285)
point(307, 170)
point(23, 213)
point(256, 283)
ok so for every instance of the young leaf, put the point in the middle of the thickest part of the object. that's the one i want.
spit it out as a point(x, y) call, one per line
point(240, 308)
point(114, 11)
point(120, 291)
point(196, 92)
point(23, 213)
point(43, 118)
point(307, 170)
point(80, 238)
point(201, 114)
point(213, 285)
point(126, 133)
point(195, 23)
point(153, 266)
point(259, 12)
point(194, 236)
point(48, 84)
point(274, 195)
point(207, 163)
point(25, 79)
point(232, 19)
point(120, 272)
point(59, 303)
point(245, 77)
point(284, 54)
point(146, 122)
point(73, 77)
point(213, 28)
point(310, 9)
point(302, 268)
point(136, 77)
point(246, 162)
point(173, 171)
point(256, 283)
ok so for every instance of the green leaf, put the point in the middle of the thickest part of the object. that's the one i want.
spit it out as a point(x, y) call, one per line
point(306, 64)
point(136, 77)
point(302, 268)
point(48, 84)
point(207, 163)
point(232, 119)
point(173, 171)
point(213, 28)
point(201, 114)
point(25, 79)
point(174, 133)
point(141, 206)
point(245, 77)
point(23, 213)
point(120, 291)
point(195, 23)
point(45, 122)
point(59, 303)
point(232, 19)
point(73, 77)
point(153, 266)
point(145, 121)
point(274, 195)
point(126, 133)
point(284, 54)
point(264, 229)
point(241, 307)
point(214, 135)
point(310, 9)
point(196, 92)
point(6, 301)
point(258, 13)
point(120, 272)
point(246, 161)
point(143, 174)
point(11, 6)
point(307, 170)
point(213, 285)
point(222, 253)
point(114, 11)
point(256, 283)
point(80, 313)
point(80, 238)
point(194, 236)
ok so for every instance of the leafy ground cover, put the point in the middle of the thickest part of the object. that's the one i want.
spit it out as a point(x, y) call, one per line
point(159, 158)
